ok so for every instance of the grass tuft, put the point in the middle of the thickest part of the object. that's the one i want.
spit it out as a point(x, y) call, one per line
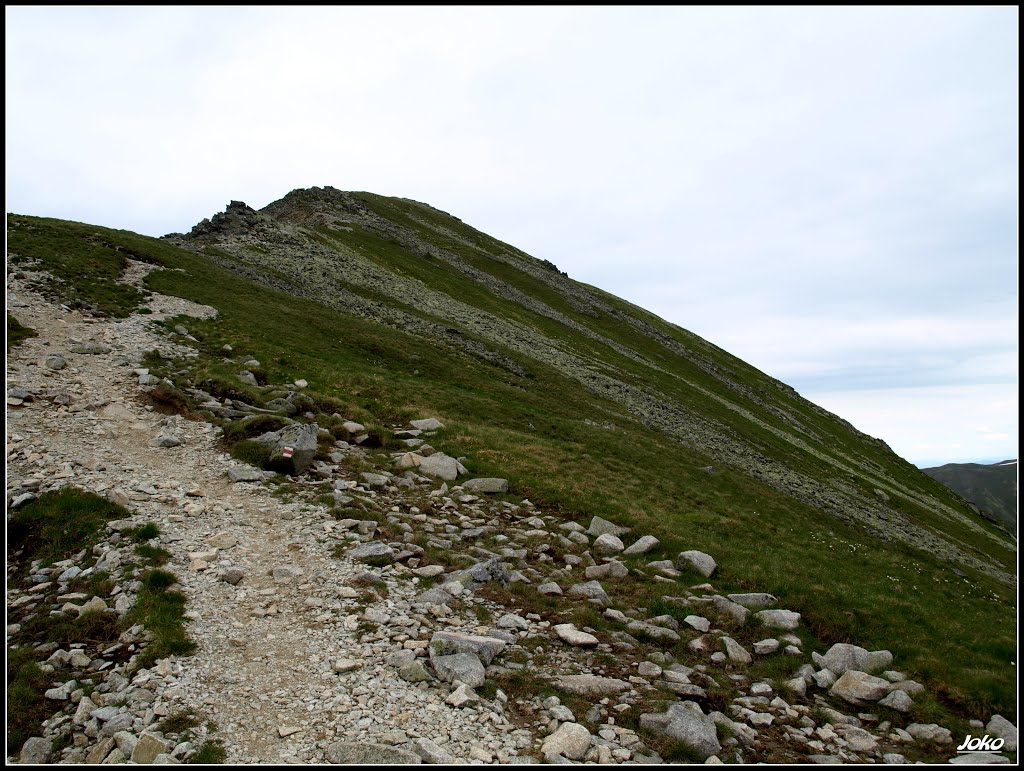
point(59, 524)
point(147, 532)
point(26, 705)
point(17, 333)
point(210, 752)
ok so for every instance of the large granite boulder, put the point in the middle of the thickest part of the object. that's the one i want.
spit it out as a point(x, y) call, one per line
point(698, 561)
point(441, 466)
point(599, 526)
point(486, 485)
point(590, 590)
point(685, 722)
point(448, 643)
point(592, 686)
point(571, 741)
point(464, 667)
point(293, 447)
point(779, 619)
point(859, 687)
point(843, 656)
point(369, 754)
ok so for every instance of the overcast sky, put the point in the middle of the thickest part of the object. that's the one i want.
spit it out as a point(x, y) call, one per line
point(829, 194)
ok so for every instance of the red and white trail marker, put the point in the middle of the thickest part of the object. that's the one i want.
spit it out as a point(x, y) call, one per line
point(287, 452)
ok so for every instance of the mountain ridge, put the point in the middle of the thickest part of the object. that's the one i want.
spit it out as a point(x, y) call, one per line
point(990, 486)
point(334, 214)
point(587, 404)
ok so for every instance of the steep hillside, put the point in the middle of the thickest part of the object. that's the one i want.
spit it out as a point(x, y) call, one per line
point(588, 405)
point(991, 487)
point(413, 268)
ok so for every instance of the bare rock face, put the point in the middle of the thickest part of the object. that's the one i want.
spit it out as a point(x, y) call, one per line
point(464, 667)
point(484, 648)
point(427, 424)
point(778, 619)
point(236, 219)
point(55, 361)
point(857, 739)
point(699, 623)
point(492, 570)
point(753, 599)
point(734, 612)
point(930, 732)
point(430, 752)
point(610, 569)
point(373, 552)
point(736, 652)
point(147, 748)
point(654, 631)
point(898, 700)
point(36, 750)
point(245, 474)
point(414, 672)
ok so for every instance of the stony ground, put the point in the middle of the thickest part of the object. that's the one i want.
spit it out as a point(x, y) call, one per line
point(359, 638)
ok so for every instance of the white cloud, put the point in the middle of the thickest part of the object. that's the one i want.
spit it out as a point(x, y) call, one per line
point(824, 192)
point(934, 425)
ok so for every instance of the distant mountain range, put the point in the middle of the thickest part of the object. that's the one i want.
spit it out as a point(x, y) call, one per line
point(991, 487)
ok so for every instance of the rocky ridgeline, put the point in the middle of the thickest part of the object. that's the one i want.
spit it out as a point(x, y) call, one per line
point(284, 246)
point(406, 613)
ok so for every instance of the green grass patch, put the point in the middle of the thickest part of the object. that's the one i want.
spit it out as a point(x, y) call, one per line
point(27, 708)
point(153, 555)
point(210, 752)
point(253, 453)
point(247, 428)
point(87, 267)
point(43, 530)
point(17, 333)
point(178, 723)
point(97, 584)
point(482, 613)
point(163, 613)
point(169, 400)
point(147, 532)
point(59, 524)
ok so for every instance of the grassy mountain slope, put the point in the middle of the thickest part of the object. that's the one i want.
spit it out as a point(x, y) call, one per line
point(392, 309)
point(992, 487)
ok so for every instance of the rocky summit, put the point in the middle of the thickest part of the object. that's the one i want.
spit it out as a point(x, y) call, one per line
point(344, 480)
